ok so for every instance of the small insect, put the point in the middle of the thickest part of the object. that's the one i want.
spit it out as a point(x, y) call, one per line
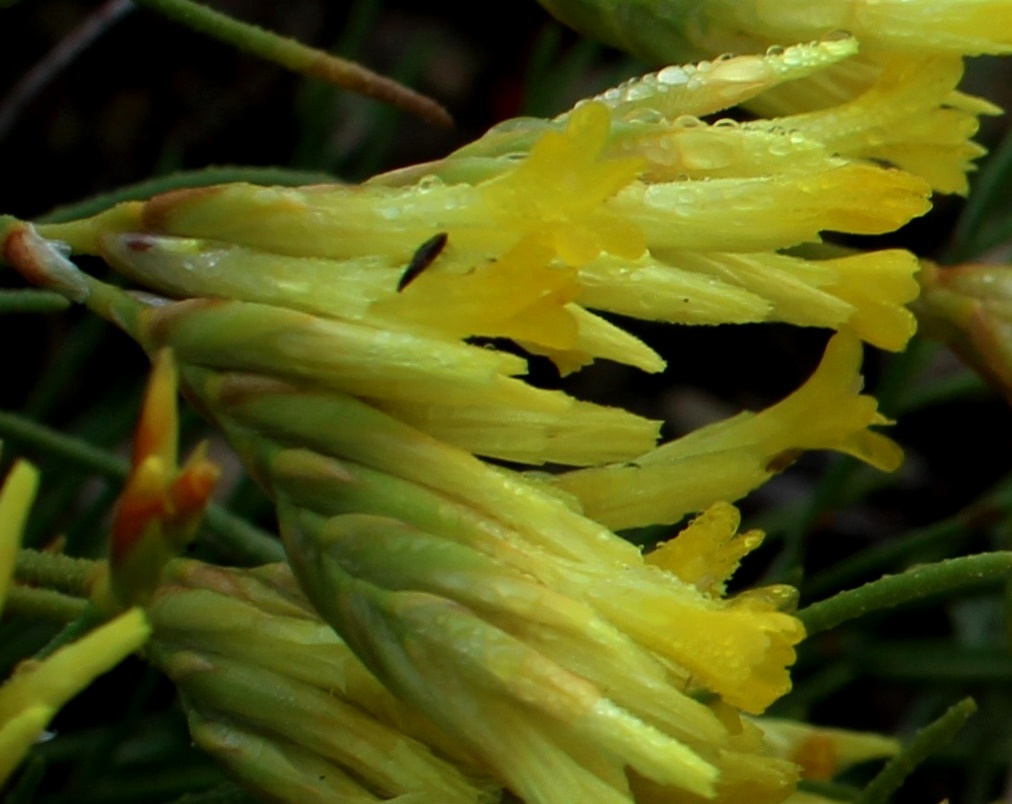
point(423, 257)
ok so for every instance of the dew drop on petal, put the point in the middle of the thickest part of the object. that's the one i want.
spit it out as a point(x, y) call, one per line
point(673, 76)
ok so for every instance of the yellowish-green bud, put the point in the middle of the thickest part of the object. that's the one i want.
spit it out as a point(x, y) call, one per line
point(273, 694)
point(969, 307)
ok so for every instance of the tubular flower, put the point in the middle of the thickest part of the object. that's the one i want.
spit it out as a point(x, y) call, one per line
point(902, 86)
point(37, 690)
point(823, 752)
point(502, 606)
point(275, 695)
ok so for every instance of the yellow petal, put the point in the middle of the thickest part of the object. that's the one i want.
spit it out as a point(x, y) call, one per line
point(15, 500)
point(19, 733)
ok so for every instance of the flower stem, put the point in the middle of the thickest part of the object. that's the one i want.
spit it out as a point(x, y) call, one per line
point(299, 57)
point(44, 604)
point(242, 541)
point(926, 742)
point(892, 590)
point(31, 301)
point(27, 432)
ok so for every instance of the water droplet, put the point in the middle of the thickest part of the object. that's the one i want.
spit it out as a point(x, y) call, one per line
point(672, 76)
point(838, 35)
point(644, 116)
point(775, 50)
point(427, 183)
point(639, 92)
point(688, 121)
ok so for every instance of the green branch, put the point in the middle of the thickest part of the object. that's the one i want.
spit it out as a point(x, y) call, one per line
point(43, 604)
point(892, 590)
point(31, 301)
point(926, 742)
point(73, 576)
point(299, 57)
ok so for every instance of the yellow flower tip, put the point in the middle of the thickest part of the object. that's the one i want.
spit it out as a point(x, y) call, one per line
point(878, 285)
point(520, 296)
point(157, 428)
point(833, 389)
point(739, 648)
point(38, 689)
point(708, 550)
point(742, 651)
point(823, 752)
point(561, 186)
point(16, 499)
point(19, 734)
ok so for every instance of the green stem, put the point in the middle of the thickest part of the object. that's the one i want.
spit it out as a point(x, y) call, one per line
point(43, 604)
point(72, 576)
point(29, 433)
point(299, 57)
point(241, 540)
point(32, 301)
point(892, 590)
point(927, 741)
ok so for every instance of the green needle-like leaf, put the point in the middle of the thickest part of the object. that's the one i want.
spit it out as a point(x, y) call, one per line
point(926, 742)
point(892, 590)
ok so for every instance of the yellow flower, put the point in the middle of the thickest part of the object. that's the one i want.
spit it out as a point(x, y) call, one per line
point(824, 752)
point(502, 606)
point(728, 459)
point(274, 695)
point(30, 699)
point(897, 101)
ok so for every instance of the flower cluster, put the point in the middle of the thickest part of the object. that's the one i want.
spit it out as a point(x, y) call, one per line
point(896, 102)
point(344, 339)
